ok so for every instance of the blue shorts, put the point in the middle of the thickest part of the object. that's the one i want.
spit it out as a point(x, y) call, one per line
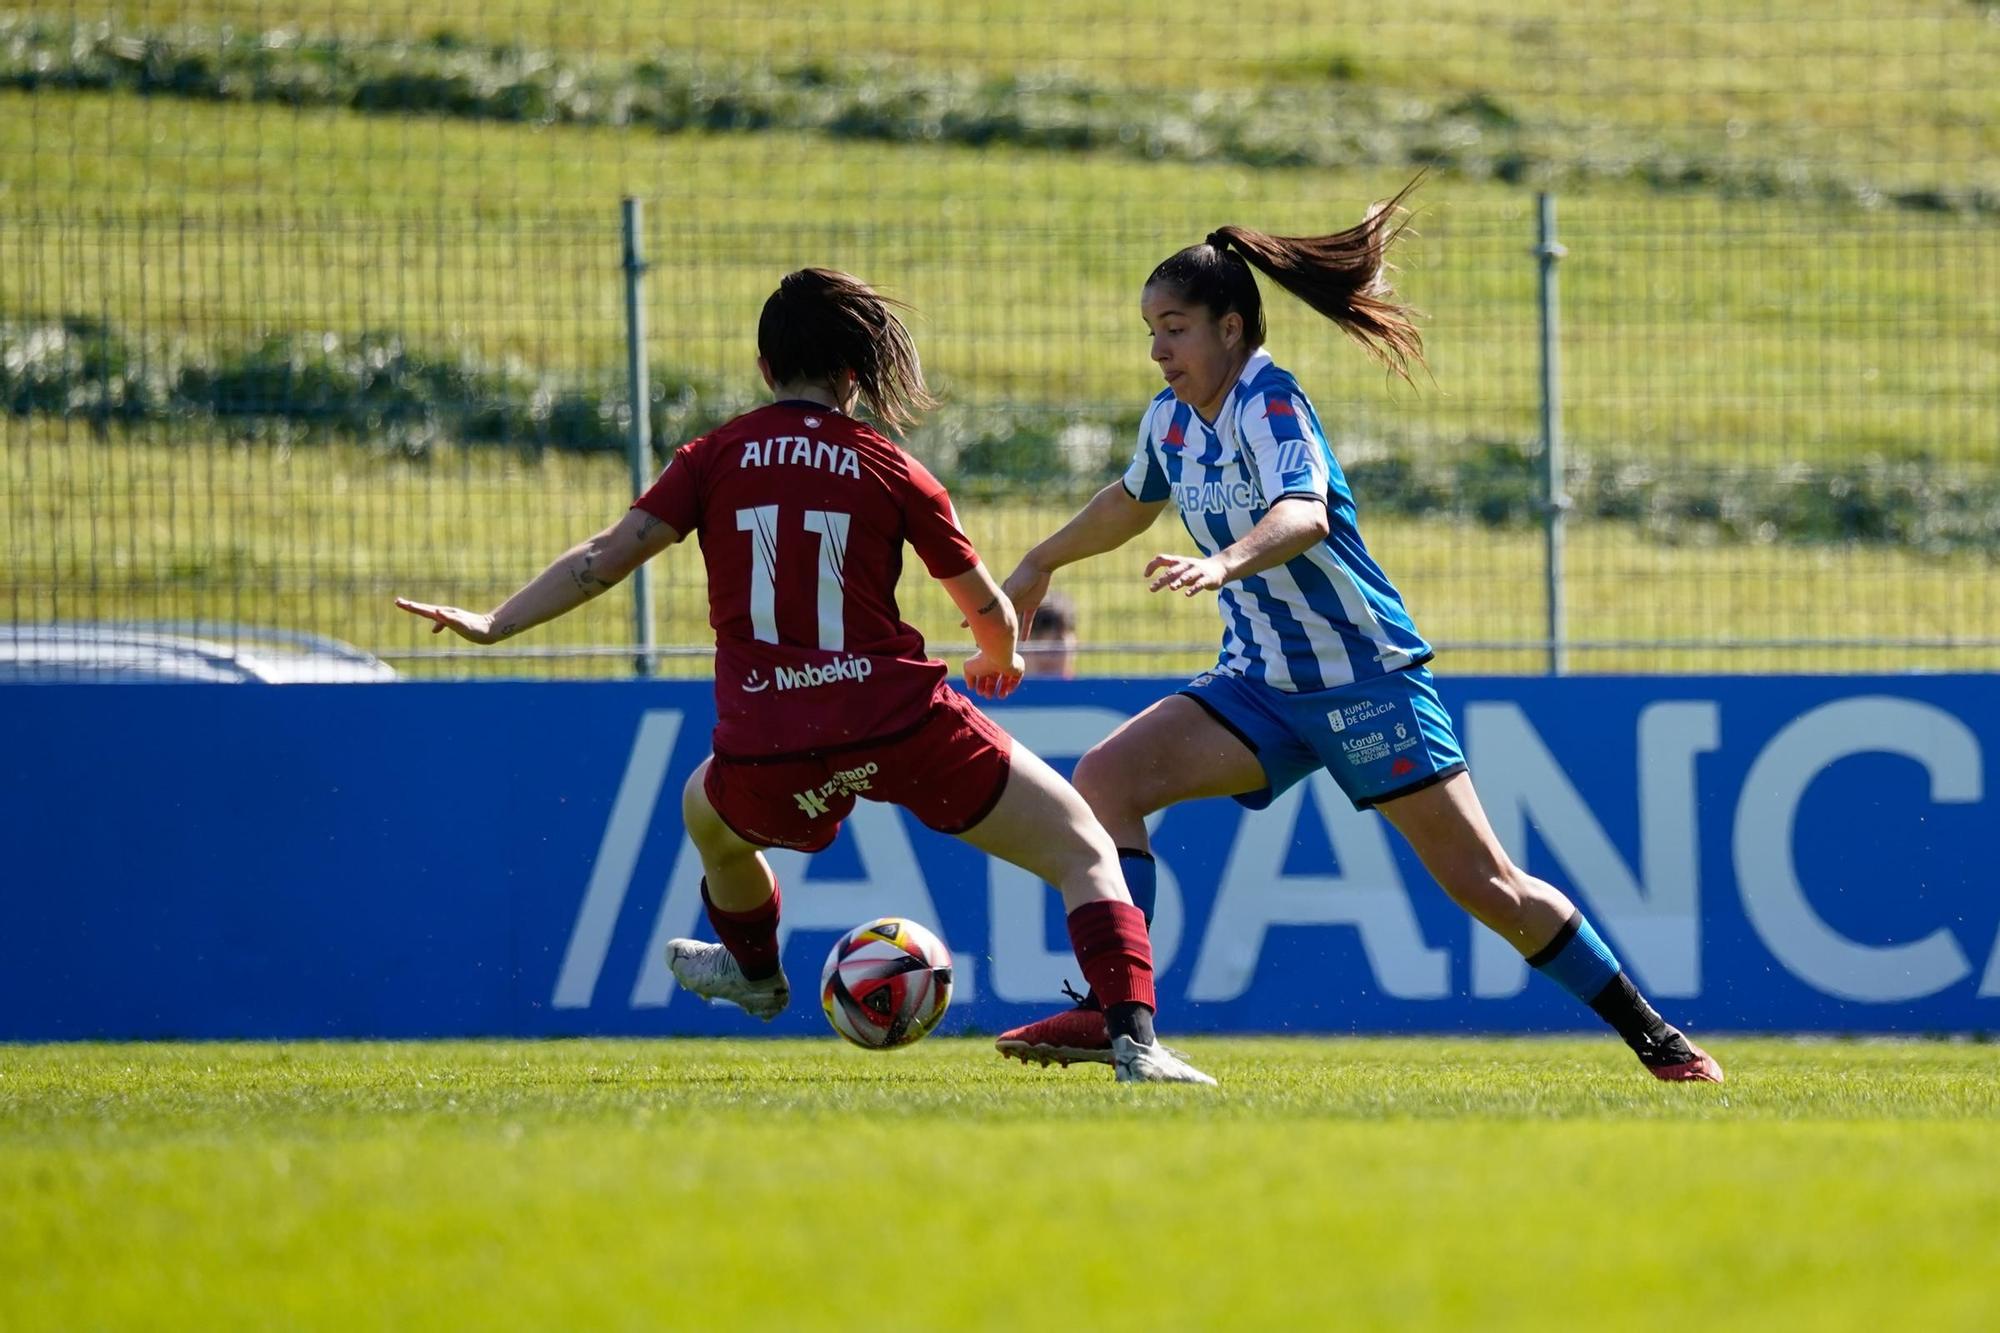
point(1380, 738)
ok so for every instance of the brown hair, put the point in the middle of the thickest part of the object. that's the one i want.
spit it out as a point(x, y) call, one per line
point(822, 323)
point(1343, 276)
point(1054, 616)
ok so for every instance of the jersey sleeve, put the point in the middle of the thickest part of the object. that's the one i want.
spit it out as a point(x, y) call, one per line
point(932, 525)
point(1283, 446)
point(675, 497)
point(1144, 479)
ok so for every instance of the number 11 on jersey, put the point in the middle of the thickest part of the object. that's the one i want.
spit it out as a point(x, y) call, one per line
point(761, 522)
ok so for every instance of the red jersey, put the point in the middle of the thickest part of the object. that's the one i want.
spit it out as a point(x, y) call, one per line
point(803, 513)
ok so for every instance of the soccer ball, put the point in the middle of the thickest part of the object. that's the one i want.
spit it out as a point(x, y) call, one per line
point(886, 983)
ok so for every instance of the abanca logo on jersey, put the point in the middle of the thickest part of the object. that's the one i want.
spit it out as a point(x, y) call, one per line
point(812, 677)
point(1214, 497)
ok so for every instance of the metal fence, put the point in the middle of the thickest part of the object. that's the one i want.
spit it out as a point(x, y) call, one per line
point(301, 310)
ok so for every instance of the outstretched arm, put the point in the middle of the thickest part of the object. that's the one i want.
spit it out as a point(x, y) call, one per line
point(996, 668)
point(1111, 519)
point(576, 576)
point(1293, 526)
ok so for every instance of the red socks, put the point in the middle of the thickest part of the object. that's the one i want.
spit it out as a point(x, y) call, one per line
point(1109, 939)
point(752, 937)
point(1112, 948)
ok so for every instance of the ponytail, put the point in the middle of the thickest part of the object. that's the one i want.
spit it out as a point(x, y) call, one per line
point(1343, 276)
point(821, 323)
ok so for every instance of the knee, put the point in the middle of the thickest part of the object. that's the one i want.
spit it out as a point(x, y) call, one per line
point(1087, 851)
point(1105, 785)
point(1073, 849)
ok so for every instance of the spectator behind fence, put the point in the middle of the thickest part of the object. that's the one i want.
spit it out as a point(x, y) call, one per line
point(1050, 644)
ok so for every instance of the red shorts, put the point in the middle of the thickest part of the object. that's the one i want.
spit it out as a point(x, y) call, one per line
point(948, 771)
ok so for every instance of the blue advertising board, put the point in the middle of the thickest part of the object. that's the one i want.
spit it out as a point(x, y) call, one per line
point(506, 858)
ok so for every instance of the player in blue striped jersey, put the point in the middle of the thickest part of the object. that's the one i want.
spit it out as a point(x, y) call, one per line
point(1327, 616)
point(1321, 664)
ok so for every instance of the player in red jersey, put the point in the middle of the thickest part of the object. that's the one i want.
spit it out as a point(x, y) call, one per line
point(822, 692)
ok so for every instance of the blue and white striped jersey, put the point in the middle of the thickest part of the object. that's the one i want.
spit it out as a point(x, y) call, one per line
point(1326, 618)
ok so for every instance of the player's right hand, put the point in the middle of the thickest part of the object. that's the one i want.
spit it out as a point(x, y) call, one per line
point(989, 680)
point(466, 624)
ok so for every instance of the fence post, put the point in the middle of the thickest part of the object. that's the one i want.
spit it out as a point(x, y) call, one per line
point(639, 442)
point(1555, 501)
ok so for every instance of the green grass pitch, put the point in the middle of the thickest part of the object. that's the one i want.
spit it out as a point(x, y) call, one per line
point(789, 1184)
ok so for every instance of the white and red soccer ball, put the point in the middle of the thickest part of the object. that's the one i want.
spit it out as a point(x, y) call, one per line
point(886, 983)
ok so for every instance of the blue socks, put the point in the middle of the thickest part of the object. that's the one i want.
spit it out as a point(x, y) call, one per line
point(1142, 881)
point(1576, 959)
point(1583, 964)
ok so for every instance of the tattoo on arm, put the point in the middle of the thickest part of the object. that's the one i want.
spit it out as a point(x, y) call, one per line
point(508, 630)
point(585, 577)
point(646, 526)
point(989, 608)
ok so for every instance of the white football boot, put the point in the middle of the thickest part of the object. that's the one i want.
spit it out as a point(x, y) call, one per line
point(1135, 1063)
point(709, 971)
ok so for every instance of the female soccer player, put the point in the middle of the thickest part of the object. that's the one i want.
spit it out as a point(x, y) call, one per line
point(822, 693)
point(1321, 666)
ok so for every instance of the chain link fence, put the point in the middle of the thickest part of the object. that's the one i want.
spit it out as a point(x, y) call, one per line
point(304, 309)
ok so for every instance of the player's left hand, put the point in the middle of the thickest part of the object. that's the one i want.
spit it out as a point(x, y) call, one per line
point(990, 680)
point(1185, 574)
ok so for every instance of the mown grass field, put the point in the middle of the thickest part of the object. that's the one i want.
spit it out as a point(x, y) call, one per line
point(1348, 1183)
point(1697, 329)
point(1717, 64)
point(324, 539)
